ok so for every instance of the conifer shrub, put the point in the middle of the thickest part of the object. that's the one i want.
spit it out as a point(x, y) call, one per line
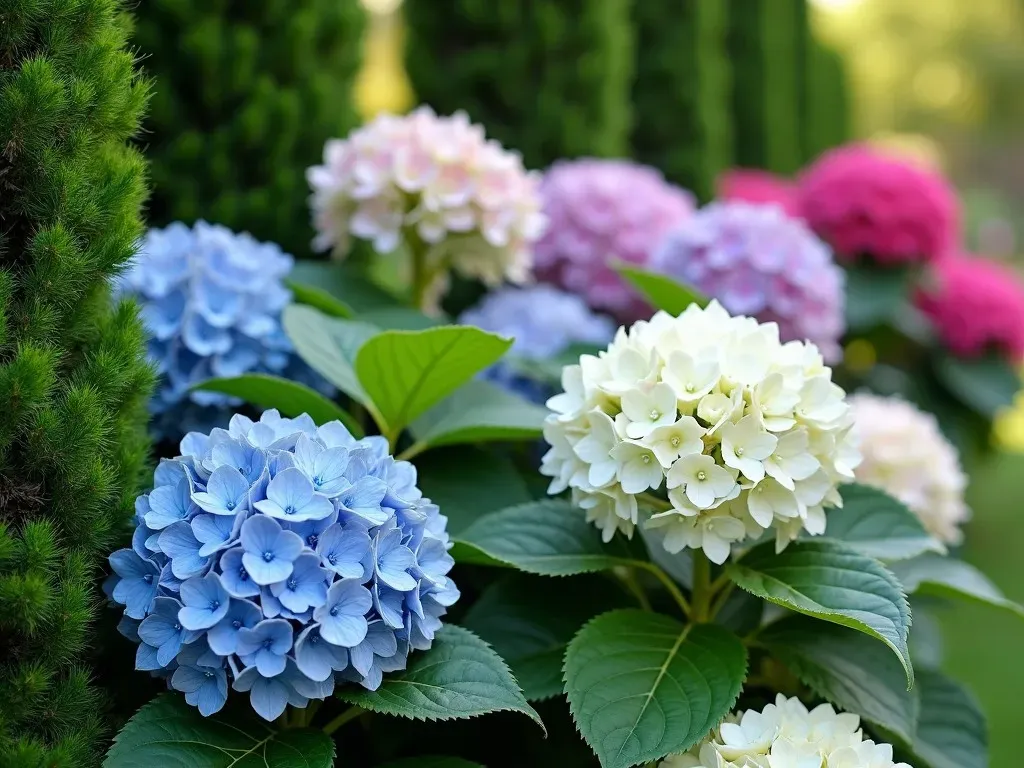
point(73, 381)
point(245, 95)
point(826, 115)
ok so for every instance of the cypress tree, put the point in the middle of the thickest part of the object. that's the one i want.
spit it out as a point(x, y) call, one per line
point(549, 78)
point(246, 93)
point(73, 377)
point(681, 92)
point(765, 40)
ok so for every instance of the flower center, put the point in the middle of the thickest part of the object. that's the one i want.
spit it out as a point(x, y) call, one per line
point(702, 475)
point(214, 605)
point(268, 556)
point(236, 624)
point(267, 643)
point(312, 540)
point(292, 583)
point(691, 387)
point(314, 639)
point(646, 459)
point(675, 441)
point(739, 451)
point(177, 627)
point(229, 504)
point(243, 575)
point(332, 559)
point(208, 675)
point(654, 414)
point(289, 510)
point(334, 611)
point(148, 578)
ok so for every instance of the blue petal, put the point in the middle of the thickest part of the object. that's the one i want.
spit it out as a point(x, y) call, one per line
point(334, 434)
point(269, 698)
point(259, 534)
point(315, 657)
point(234, 577)
point(223, 638)
point(344, 551)
point(178, 543)
point(205, 600)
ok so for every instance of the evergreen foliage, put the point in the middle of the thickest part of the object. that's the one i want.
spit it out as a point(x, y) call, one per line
point(681, 91)
point(549, 78)
point(73, 381)
point(826, 114)
point(765, 42)
point(246, 94)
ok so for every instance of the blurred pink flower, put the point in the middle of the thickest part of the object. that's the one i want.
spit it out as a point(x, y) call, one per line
point(754, 186)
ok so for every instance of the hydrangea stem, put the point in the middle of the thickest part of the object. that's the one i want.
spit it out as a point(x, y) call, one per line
point(670, 586)
point(349, 714)
point(702, 593)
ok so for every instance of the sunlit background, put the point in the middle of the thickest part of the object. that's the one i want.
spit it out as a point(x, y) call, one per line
point(941, 81)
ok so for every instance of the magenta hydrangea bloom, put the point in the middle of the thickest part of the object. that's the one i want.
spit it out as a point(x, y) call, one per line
point(863, 202)
point(757, 261)
point(600, 210)
point(975, 305)
point(754, 186)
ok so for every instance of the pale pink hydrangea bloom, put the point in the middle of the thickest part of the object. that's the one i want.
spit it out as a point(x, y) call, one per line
point(753, 186)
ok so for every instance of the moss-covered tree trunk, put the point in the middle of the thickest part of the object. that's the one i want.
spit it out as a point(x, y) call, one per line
point(765, 43)
point(549, 78)
point(246, 93)
point(681, 91)
point(73, 381)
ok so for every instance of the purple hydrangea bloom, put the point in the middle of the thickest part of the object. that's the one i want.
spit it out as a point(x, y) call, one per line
point(600, 210)
point(757, 261)
point(280, 557)
point(211, 300)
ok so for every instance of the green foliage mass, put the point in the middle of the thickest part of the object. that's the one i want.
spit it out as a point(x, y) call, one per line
point(549, 78)
point(826, 114)
point(246, 93)
point(681, 92)
point(73, 376)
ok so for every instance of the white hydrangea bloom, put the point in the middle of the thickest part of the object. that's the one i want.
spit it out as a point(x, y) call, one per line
point(906, 455)
point(786, 735)
point(439, 178)
point(739, 432)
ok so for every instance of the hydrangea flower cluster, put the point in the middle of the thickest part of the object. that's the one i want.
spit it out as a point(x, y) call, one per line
point(865, 203)
point(437, 178)
point(285, 558)
point(906, 455)
point(740, 432)
point(975, 305)
point(755, 186)
point(786, 735)
point(598, 211)
point(758, 261)
point(544, 322)
point(211, 301)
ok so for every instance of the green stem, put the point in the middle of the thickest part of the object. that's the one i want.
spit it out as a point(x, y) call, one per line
point(654, 502)
point(628, 578)
point(670, 586)
point(421, 275)
point(349, 714)
point(413, 450)
point(701, 593)
point(720, 599)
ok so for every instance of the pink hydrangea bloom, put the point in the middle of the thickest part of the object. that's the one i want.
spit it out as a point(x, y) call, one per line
point(757, 261)
point(598, 211)
point(975, 305)
point(436, 177)
point(866, 203)
point(755, 186)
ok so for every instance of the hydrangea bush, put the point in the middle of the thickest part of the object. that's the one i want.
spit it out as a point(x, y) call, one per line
point(281, 557)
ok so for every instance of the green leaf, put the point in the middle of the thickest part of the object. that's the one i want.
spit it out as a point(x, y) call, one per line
point(986, 385)
point(951, 730)
point(642, 686)
point(342, 283)
point(467, 483)
point(329, 346)
point(531, 634)
point(877, 525)
point(847, 668)
point(660, 290)
point(875, 295)
point(319, 299)
point(406, 372)
point(433, 761)
point(548, 537)
point(459, 677)
point(949, 577)
point(289, 397)
point(832, 582)
point(479, 412)
point(169, 733)
point(400, 319)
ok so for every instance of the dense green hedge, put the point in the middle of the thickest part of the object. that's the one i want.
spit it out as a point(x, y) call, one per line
point(73, 381)
point(246, 93)
point(826, 114)
point(681, 92)
point(549, 78)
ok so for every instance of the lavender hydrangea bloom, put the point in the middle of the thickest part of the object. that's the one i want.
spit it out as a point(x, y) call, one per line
point(289, 558)
point(211, 300)
point(758, 261)
point(543, 321)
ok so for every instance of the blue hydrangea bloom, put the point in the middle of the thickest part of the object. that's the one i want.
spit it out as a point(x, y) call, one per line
point(544, 322)
point(279, 558)
point(211, 300)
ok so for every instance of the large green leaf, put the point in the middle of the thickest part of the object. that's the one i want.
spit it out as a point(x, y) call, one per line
point(875, 295)
point(986, 385)
point(642, 686)
point(479, 412)
point(467, 483)
point(289, 397)
point(951, 730)
point(340, 283)
point(949, 577)
point(847, 668)
point(407, 372)
point(877, 525)
point(168, 733)
point(329, 346)
point(549, 537)
point(832, 582)
point(531, 634)
point(660, 290)
point(460, 676)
